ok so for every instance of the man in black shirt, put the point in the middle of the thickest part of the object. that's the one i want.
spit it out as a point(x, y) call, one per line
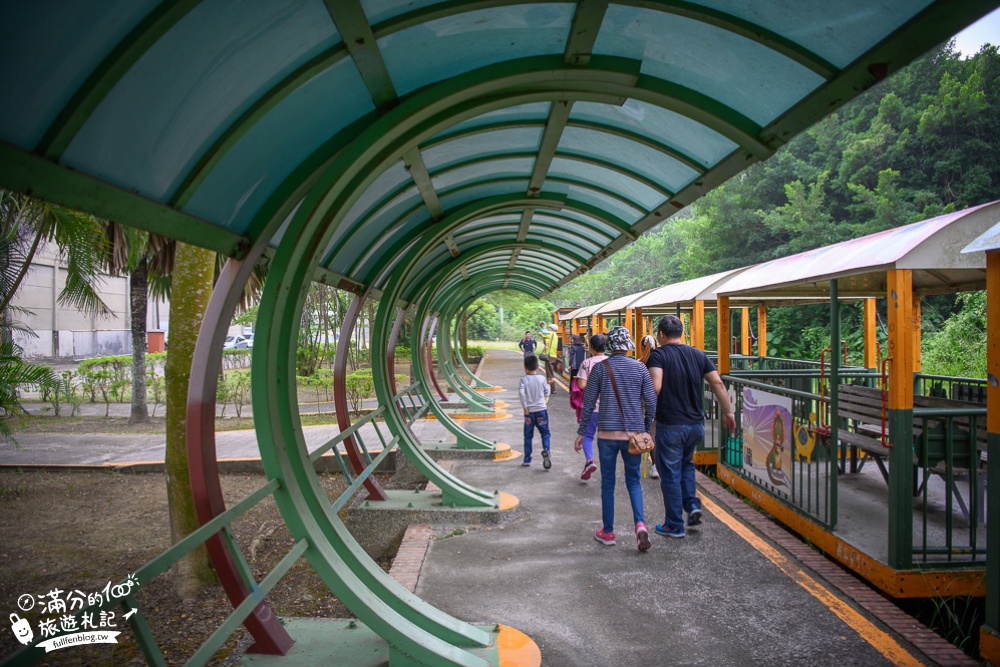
point(677, 371)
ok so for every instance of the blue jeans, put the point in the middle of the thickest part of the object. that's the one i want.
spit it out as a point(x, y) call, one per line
point(608, 451)
point(588, 436)
point(531, 420)
point(675, 447)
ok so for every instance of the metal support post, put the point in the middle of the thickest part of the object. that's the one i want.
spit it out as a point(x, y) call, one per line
point(900, 417)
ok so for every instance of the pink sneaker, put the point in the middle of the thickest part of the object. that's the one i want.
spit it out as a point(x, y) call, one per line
point(642, 536)
point(589, 468)
point(605, 538)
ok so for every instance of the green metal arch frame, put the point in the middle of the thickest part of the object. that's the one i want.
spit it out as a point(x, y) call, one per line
point(335, 187)
point(513, 203)
point(397, 284)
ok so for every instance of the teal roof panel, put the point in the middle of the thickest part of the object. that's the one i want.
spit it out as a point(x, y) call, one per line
point(535, 112)
point(464, 42)
point(665, 170)
point(235, 189)
point(70, 40)
point(836, 31)
point(662, 125)
point(496, 142)
point(151, 128)
point(742, 74)
point(493, 169)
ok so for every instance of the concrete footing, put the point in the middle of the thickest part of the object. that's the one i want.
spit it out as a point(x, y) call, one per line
point(378, 526)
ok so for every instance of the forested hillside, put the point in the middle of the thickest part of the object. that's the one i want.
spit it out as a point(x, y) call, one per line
point(924, 142)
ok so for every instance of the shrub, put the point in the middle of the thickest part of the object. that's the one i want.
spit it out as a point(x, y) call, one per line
point(359, 385)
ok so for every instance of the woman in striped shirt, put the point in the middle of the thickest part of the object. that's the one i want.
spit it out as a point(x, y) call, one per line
point(635, 414)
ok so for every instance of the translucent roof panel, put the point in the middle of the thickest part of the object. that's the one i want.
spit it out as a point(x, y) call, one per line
point(516, 140)
point(389, 181)
point(592, 198)
point(467, 41)
point(644, 197)
point(536, 112)
point(742, 74)
point(278, 143)
point(651, 163)
point(836, 31)
point(498, 169)
point(71, 39)
point(481, 191)
point(151, 127)
point(378, 11)
point(664, 126)
point(202, 120)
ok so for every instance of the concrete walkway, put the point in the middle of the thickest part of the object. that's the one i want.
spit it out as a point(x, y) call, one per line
point(724, 595)
point(712, 598)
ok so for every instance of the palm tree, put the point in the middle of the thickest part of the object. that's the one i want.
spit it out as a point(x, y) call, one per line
point(25, 224)
point(148, 260)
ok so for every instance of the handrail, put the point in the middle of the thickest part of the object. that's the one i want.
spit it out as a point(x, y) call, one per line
point(365, 474)
point(777, 390)
point(802, 373)
point(160, 564)
point(949, 412)
point(924, 376)
point(233, 621)
point(343, 435)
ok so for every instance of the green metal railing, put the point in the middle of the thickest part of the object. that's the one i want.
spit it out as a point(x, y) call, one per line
point(810, 483)
point(972, 390)
point(220, 525)
point(950, 446)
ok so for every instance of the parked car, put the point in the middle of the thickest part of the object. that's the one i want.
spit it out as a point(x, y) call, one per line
point(249, 339)
point(235, 342)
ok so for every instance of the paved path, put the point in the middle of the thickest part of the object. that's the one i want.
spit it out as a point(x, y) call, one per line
point(708, 599)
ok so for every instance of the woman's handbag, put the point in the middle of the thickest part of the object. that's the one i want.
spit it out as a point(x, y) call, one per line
point(638, 443)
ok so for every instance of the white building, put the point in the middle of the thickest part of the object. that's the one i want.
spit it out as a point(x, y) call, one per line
point(66, 332)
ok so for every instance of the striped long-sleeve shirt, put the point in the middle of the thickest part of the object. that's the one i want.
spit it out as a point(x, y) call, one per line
point(637, 394)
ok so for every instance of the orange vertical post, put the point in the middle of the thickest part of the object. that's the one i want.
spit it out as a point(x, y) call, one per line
point(871, 339)
point(761, 331)
point(899, 292)
point(640, 324)
point(698, 325)
point(631, 326)
point(745, 331)
point(917, 317)
point(600, 324)
point(989, 633)
point(900, 346)
point(722, 315)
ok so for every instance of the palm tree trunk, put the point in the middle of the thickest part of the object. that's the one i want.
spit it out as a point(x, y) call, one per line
point(190, 291)
point(138, 287)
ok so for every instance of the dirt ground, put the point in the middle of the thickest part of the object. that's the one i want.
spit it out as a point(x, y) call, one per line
point(81, 530)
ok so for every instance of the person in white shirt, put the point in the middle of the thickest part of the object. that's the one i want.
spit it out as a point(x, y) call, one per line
point(534, 394)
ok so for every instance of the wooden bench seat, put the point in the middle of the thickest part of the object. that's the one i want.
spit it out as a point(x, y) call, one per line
point(861, 407)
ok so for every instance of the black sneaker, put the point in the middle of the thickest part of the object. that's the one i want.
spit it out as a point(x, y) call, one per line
point(546, 461)
point(694, 517)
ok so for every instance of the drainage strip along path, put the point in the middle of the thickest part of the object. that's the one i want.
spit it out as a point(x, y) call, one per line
point(723, 595)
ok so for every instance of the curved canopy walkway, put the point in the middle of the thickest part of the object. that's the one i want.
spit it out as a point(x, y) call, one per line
point(419, 153)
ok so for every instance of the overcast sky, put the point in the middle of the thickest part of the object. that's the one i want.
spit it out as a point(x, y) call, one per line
point(986, 30)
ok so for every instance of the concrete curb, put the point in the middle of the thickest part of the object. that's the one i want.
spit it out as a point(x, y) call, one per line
point(325, 463)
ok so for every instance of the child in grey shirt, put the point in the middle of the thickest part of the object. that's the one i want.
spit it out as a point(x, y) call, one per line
point(534, 392)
